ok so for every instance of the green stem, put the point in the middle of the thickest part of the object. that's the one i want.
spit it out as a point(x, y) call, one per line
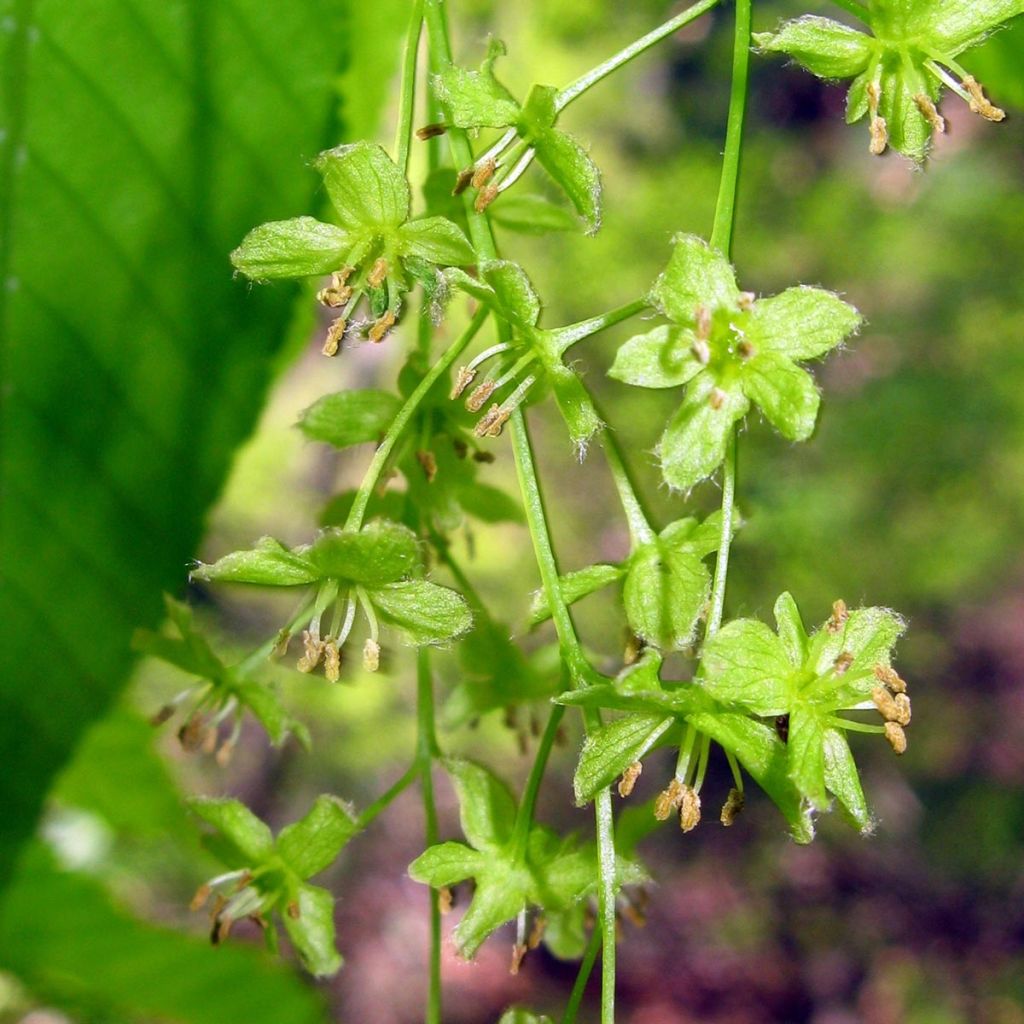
point(640, 529)
point(251, 660)
point(624, 56)
point(566, 337)
point(582, 977)
point(606, 901)
point(854, 8)
point(426, 751)
point(725, 208)
point(383, 801)
point(401, 420)
point(407, 96)
point(725, 540)
point(528, 803)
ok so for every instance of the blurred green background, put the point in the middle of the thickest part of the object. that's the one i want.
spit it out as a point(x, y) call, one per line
point(140, 142)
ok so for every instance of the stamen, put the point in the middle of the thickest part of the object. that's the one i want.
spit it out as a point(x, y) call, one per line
point(483, 173)
point(892, 709)
point(891, 678)
point(842, 664)
point(463, 378)
point(540, 923)
point(332, 661)
point(337, 293)
point(428, 463)
point(930, 113)
point(335, 334)
point(431, 131)
point(462, 181)
point(746, 301)
point(371, 655)
point(522, 164)
point(717, 398)
point(839, 616)
point(378, 272)
point(314, 650)
point(896, 736)
point(701, 351)
point(689, 809)
point(668, 800)
point(979, 103)
point(445, 900)
point(381, 327)
point(202, 895)
point(732, 806)
point(485, 197)
point(480, 395)
point(482, 357)
point(350, 617)
point(878, 129)
point(492, 421)
point(703, 318)
point(629, 777)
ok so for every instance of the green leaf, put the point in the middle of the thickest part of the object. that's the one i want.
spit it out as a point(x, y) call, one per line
point(151, 139)
point(825, 47)
point(268, 564)
point(476, 99)
point(251, 838)
point(693, 445)
point(758, 748)
point(312, 932)
point(314, 842)
point(575, 405)
point(381, 552)
point(661, 358)
point(425, 612)
point(65, 938)
point(539, 112)
point(745, 663)
point(500, 895)
point(791, 629)
point(301, 247)
point(785, 393)
point(696, 275)
point(575, 586)
point(446, 864)
point(801, 323)
point(574, 172)
point(487, 809)
point(610, 750)
point(666, 587)
point(909, 131)
point(843, 779)
point(807, 755)
point(531, 215)
point(349, 417)
point(365, 185)
point(868, 636)
point(436, 240)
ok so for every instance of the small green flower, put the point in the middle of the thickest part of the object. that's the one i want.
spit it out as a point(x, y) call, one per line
point(730, 349)
point(476, 99)
point(898, 70)
point(376, 250)
point(269, 875)
point(377, 569)
point(844, 666)
point(221, 692)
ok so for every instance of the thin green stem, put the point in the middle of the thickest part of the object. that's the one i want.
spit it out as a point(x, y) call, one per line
point(382, 802)
point(625, 55)
point(582, 977)
point(606, 901)
point(725, 208)
point(262, 652)
point(426, 751)
point(407, 95)
point(566, 337)
point(640, 529)
point(401, 421)
point(528, 803)
point(725, 540)
point(854, 8)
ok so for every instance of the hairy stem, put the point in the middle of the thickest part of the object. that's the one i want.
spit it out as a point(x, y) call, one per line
point(606, 901)
point(384, 801)
point(401, 420)
point(625, 55)
point(725, 540)
point(407, 95)
point(566, 337)
point(582, 977)
point(640, 529)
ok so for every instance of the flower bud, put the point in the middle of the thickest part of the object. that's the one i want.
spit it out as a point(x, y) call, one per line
point(629, 777)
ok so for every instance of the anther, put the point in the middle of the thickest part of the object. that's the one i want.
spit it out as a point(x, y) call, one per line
point(371, 655)
point(979, 103)
point(717, 398)
point(689, 809)
point(332, 661)
point(337, 293)
point(891, 678)
point(292, 910)
point(629, 777)
point(463, 378)
point(224, 752)
point(200, 898)
point(480, 394)
point(668, 800)
point(732, 806)
point(703, 318)
point(485, 197)
point(746, 301)
point(313, 651)
point(483, 173)
point(892, 709)
point(839, 616)
point(902, 702)
point(896, 736)
point(518, 952)
point(879, 136)
point(930, 113)
point(381, 327)
point(166, 712)
point(335, 333)
point(842, 663)
point(540, 923)
point(633, 649)
point(281, 642)
point(491, 423)
point(445, 900)
point(378, 272)
point(428, 463)
point(462, 181)
point(484, 457)
point(745, 349)
point(431, 131)
point(701, 351)
point(193, 734)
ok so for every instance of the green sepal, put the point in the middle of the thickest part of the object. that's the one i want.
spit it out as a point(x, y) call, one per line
point(248, 839)
point(531, 215)
point(574, 172)
point(312, 931)
point(805, 747)
point(696, 275)
point(435, 240)
point(313, 843)
point(843, 779)
point(269, 563)
point(381, 552)
point(424, 612)
point(824, 47)
point(660, 358)
point(446, 864)
point(784, 392)
point(575, 405)
point(745, 663)
point(476, 99)
point(487, 809)
point(574, 586)
point(801, 323)
point(610, 750)
point(349, 417)
point(301, 247)
point(365, 185)
point(791, 629)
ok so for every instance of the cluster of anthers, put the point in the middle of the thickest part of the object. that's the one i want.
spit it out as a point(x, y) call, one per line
point(890, 697)
point(341, 295)
point(509, 370)
point(969, 89)
point(201, 730)
point(326, 649)
point(236, 898)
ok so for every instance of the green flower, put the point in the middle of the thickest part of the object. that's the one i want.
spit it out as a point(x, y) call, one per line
point(898, 70)
point(376, 250)
point(221, 693)
point(729, 349)
point(844, 666)
point(269, 875)
point(377, 569)
point(476, 99)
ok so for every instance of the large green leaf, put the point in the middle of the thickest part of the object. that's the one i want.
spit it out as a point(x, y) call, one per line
point(140, 141)
point(74, 948)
